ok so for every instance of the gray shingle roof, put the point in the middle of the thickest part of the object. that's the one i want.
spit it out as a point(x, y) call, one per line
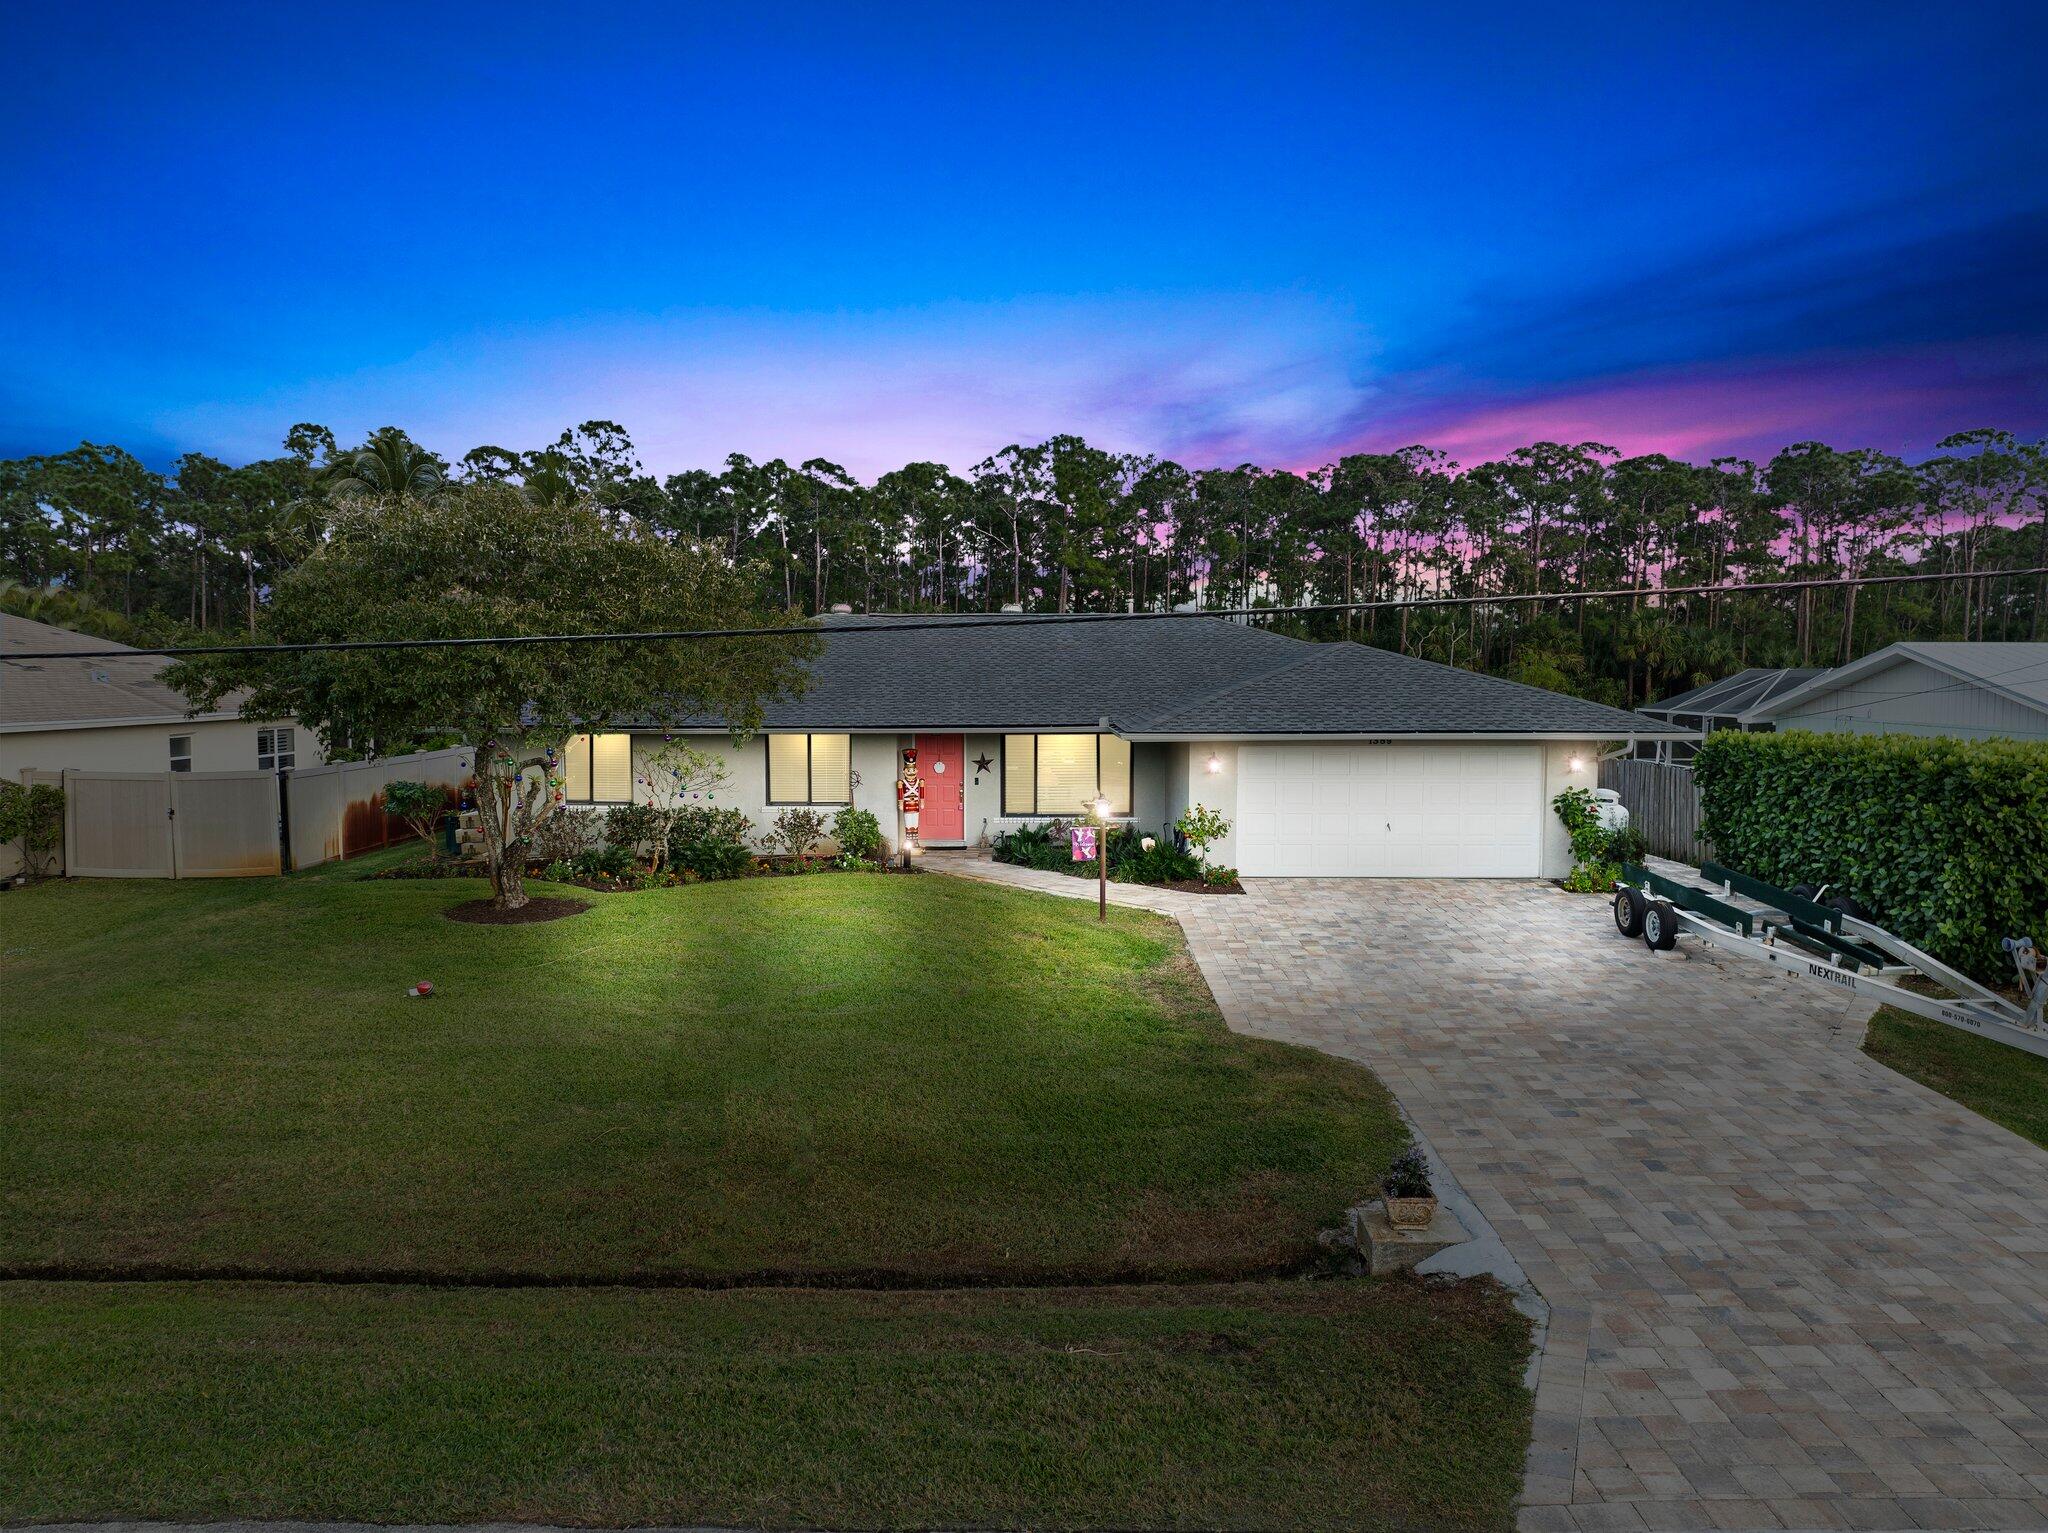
point(2016, 669)
point(119, 687)
point(1179, 675)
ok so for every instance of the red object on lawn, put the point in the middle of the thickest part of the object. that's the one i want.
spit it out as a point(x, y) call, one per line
point(423, 989)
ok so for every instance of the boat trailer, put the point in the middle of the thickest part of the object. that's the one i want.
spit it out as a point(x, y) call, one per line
point(1830, 944)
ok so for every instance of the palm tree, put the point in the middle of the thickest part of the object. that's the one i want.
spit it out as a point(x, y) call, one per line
point(390, 467)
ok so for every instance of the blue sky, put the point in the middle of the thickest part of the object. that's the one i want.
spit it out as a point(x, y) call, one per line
point(1215, 233)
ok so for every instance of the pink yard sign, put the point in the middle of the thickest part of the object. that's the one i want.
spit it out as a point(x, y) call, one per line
point(1084, 843)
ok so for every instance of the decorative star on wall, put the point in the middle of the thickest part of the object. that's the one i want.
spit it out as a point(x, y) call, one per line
point(982, 764)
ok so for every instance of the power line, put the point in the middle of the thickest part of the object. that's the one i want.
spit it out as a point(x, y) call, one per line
point(912, 624)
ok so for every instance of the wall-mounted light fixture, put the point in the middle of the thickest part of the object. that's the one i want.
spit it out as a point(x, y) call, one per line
point(1576, 764)
point(1215, 763)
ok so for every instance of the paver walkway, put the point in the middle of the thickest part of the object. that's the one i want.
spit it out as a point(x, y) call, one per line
point(1788, 1288)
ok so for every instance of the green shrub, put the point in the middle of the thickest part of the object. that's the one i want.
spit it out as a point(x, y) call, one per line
point(1597, 852)
point(859, 835)
point(1048, 846)
point(34, 816)
point(1202, 827)
point(1939, 839)
point(634, 826)
point(796, 831)
point(603, 862)
point(711, 843)
point(418, 804)
point(560, 836)
point(1162, 865)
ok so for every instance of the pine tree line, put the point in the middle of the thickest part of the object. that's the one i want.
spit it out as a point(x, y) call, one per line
point(1064, 526)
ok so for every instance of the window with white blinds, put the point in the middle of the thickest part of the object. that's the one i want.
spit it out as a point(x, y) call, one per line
point(598, 769)
point(1064, 774)
point(611, 769)
point(810, 769)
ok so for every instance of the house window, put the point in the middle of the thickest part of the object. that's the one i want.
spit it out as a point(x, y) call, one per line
point(275, 751)
point(181, 753)
point(598, 769)
point(1064, 774)
point(810, 769)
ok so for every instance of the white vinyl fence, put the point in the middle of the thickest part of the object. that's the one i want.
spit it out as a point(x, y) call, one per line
point(337, 810)
point(236, 824)
point(170, 824)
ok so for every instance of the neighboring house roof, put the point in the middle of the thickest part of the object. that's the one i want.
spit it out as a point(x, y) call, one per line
point(117, 686)
point(1732, 696)
point(1184, 675)
point(2012, 670)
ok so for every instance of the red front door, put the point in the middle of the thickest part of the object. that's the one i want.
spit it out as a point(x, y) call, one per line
point(939, 761)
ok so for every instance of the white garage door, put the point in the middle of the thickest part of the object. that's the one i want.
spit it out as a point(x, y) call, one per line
point(1390, 811)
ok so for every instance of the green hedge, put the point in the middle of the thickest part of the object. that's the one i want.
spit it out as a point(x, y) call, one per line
point(1941, 840)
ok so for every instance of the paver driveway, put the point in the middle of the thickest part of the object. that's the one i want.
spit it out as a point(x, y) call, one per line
point(1788, 1288)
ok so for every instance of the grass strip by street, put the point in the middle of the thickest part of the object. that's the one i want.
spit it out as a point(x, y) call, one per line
point(1993, 1079)
point(1382, 1405)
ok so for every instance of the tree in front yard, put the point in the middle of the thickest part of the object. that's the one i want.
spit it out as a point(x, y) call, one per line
point(418, 804)
point(488, 562)
point(671, 778)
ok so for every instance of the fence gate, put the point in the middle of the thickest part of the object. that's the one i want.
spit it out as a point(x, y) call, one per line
point(118, 825)
point(224, 824)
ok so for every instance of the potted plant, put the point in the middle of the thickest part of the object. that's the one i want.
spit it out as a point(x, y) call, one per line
point(1406, 1191)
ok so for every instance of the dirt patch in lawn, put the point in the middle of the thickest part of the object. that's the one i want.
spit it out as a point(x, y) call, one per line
point(484, 913)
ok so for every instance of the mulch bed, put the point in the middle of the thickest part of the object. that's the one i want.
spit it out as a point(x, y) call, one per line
point(1195, 886)
point(545, 908)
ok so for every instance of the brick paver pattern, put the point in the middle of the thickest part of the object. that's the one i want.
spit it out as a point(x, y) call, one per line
point(1788, 1287)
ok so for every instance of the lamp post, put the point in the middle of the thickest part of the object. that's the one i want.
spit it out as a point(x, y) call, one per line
point(1102, 859)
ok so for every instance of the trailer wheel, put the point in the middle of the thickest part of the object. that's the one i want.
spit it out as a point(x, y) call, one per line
point(1848, 907)
point(1805, 891)
point(1628, 912)
point(1660, 926)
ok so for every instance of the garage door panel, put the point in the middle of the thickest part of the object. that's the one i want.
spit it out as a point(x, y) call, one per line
point(1403, 811)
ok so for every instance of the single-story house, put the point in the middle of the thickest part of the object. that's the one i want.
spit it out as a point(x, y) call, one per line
point(113, 713)
point(1717, 705)
point(1972, 691)
point(1328, 759)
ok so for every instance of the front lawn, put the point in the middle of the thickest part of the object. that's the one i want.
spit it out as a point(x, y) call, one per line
point(1065, 1189)
point(830, 1077)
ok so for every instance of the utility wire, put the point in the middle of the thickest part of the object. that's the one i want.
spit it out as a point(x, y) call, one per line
point(914, 623)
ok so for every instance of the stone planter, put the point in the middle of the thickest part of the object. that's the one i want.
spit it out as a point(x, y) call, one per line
point(1409, 1213)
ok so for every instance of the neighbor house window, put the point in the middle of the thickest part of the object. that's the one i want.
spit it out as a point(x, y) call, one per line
point(810, 769)
point(1064, 774)
point(181, 753)
point(275, 751)
point(598, 769)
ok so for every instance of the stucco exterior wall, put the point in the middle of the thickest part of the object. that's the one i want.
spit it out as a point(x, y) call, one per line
point(1165, 779)
point(222, 745)
point(1910, 698)
point(746, 787)
point(875, 758)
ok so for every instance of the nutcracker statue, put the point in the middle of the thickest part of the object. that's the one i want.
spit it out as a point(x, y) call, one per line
point(910, 795)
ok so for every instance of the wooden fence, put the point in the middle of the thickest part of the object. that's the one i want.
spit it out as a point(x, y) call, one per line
point(1663, 803)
